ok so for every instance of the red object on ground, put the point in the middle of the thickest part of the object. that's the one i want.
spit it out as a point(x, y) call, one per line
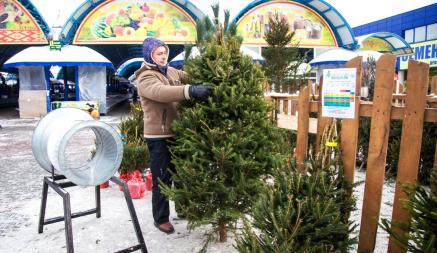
point(149, 182)
point(135, 175)
point(136, 188)
point(104, 185)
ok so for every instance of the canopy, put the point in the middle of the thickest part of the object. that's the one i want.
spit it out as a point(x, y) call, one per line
point(340, 56)
point(179, 59)
point(335, 56)
point(68, 56)
point(385, 42)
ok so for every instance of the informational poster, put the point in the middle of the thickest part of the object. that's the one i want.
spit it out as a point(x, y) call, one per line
point(309, 28)
point(131, 21)
point(338, 93)
point(17, 25)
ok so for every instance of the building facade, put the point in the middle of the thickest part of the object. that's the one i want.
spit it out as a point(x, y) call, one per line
point(418, 27)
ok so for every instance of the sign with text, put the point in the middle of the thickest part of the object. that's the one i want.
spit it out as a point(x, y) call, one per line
point(338, 93)
point(423, 52)
point(131, 21)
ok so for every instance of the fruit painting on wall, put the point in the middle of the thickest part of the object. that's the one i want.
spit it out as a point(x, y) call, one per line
point(130, 21)
point(17, 26)
point(309, 28)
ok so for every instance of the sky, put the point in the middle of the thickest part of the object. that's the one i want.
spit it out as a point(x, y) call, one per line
point(356, 12)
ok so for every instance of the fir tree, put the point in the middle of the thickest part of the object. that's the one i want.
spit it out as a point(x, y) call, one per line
point(226, 144)
point(281, 61)
point(303, 212)
point(421, 234)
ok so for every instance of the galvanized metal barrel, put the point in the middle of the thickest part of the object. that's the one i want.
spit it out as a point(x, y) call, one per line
point(52, 135)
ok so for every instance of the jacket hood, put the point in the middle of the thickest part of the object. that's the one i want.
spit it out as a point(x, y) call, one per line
point(149, 45)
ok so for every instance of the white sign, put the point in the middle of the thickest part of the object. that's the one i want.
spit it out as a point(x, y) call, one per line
point(338, 93)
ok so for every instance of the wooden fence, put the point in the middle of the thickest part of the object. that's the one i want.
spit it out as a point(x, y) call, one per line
point(413, 108)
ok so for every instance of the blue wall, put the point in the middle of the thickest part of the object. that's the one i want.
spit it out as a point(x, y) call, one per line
point(398, 23)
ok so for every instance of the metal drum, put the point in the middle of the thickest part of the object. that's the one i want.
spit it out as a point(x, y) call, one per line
point(52, 135)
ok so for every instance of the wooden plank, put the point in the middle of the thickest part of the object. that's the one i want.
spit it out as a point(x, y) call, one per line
point(434, 85)
point(349, 127)
point(434, 186)
point(322, 122)
point(411, 142)
point(302, 127)
point(397, 112)
point(290, 122)
point(379, 132)
point(285, 106)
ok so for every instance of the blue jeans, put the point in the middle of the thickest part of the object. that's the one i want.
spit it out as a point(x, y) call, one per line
point(160, 164)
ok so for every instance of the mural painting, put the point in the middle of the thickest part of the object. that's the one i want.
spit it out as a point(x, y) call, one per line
point(130, 21)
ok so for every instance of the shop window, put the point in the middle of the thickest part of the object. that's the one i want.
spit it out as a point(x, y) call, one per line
point(409, 35)
point(431, 32)
point(420, 34)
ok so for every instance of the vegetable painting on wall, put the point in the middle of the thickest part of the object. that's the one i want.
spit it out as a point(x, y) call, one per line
point(130, 21)
point(18, 26)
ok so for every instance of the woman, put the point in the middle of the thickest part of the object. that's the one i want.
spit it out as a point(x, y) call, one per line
point(160, 88)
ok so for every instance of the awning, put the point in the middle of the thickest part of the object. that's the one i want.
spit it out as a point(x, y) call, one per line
point(68, 56)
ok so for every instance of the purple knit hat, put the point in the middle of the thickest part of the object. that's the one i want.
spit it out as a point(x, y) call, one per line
point(149, 45)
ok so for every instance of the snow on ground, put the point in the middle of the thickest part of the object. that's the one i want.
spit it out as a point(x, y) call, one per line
point(20, 193)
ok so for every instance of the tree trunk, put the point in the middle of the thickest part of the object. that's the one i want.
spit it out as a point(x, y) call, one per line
point(223, 232)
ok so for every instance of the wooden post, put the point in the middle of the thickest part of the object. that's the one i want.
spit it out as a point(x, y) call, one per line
point(349, 128)
point(434, 85)
point(379, 132)
point(411, 142)
point(434, 186)
point(302, 127)
point(322, 122)
point(285, 106)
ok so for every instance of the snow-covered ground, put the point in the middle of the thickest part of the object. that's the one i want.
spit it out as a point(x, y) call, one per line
point(20, 192)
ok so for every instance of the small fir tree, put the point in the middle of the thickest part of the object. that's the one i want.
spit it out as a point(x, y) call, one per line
point(303, 212)
point(281, 61)
point(225, 144)
point(421, 234)
point(135, 152)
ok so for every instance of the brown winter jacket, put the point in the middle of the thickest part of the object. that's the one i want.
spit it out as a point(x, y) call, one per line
point(159, 95)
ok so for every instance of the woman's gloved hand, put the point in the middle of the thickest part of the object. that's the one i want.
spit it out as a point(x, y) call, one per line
point(200, 91)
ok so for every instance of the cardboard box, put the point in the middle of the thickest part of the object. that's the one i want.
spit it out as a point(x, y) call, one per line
point(32, 103)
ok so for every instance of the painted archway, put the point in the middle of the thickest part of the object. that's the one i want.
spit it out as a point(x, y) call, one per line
point(130, 21)
point(385, 42)
point(315, 23)
point(21, 25)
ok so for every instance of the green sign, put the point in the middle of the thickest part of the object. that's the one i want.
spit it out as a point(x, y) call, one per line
point(55, 45)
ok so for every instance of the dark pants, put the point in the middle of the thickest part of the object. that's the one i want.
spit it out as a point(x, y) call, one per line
point(160, 164)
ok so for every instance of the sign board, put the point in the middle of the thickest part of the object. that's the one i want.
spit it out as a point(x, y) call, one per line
point(18, 26)
point(55, 45)
point(92, 107)
point(423, 52)
point(338, 93)
point(131, 21)
point(310, 29)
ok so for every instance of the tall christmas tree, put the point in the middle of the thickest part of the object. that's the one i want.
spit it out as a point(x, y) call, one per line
point(226, 144)
point(282, 61)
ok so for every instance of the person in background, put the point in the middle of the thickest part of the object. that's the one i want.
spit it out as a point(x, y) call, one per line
point(160, 87)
